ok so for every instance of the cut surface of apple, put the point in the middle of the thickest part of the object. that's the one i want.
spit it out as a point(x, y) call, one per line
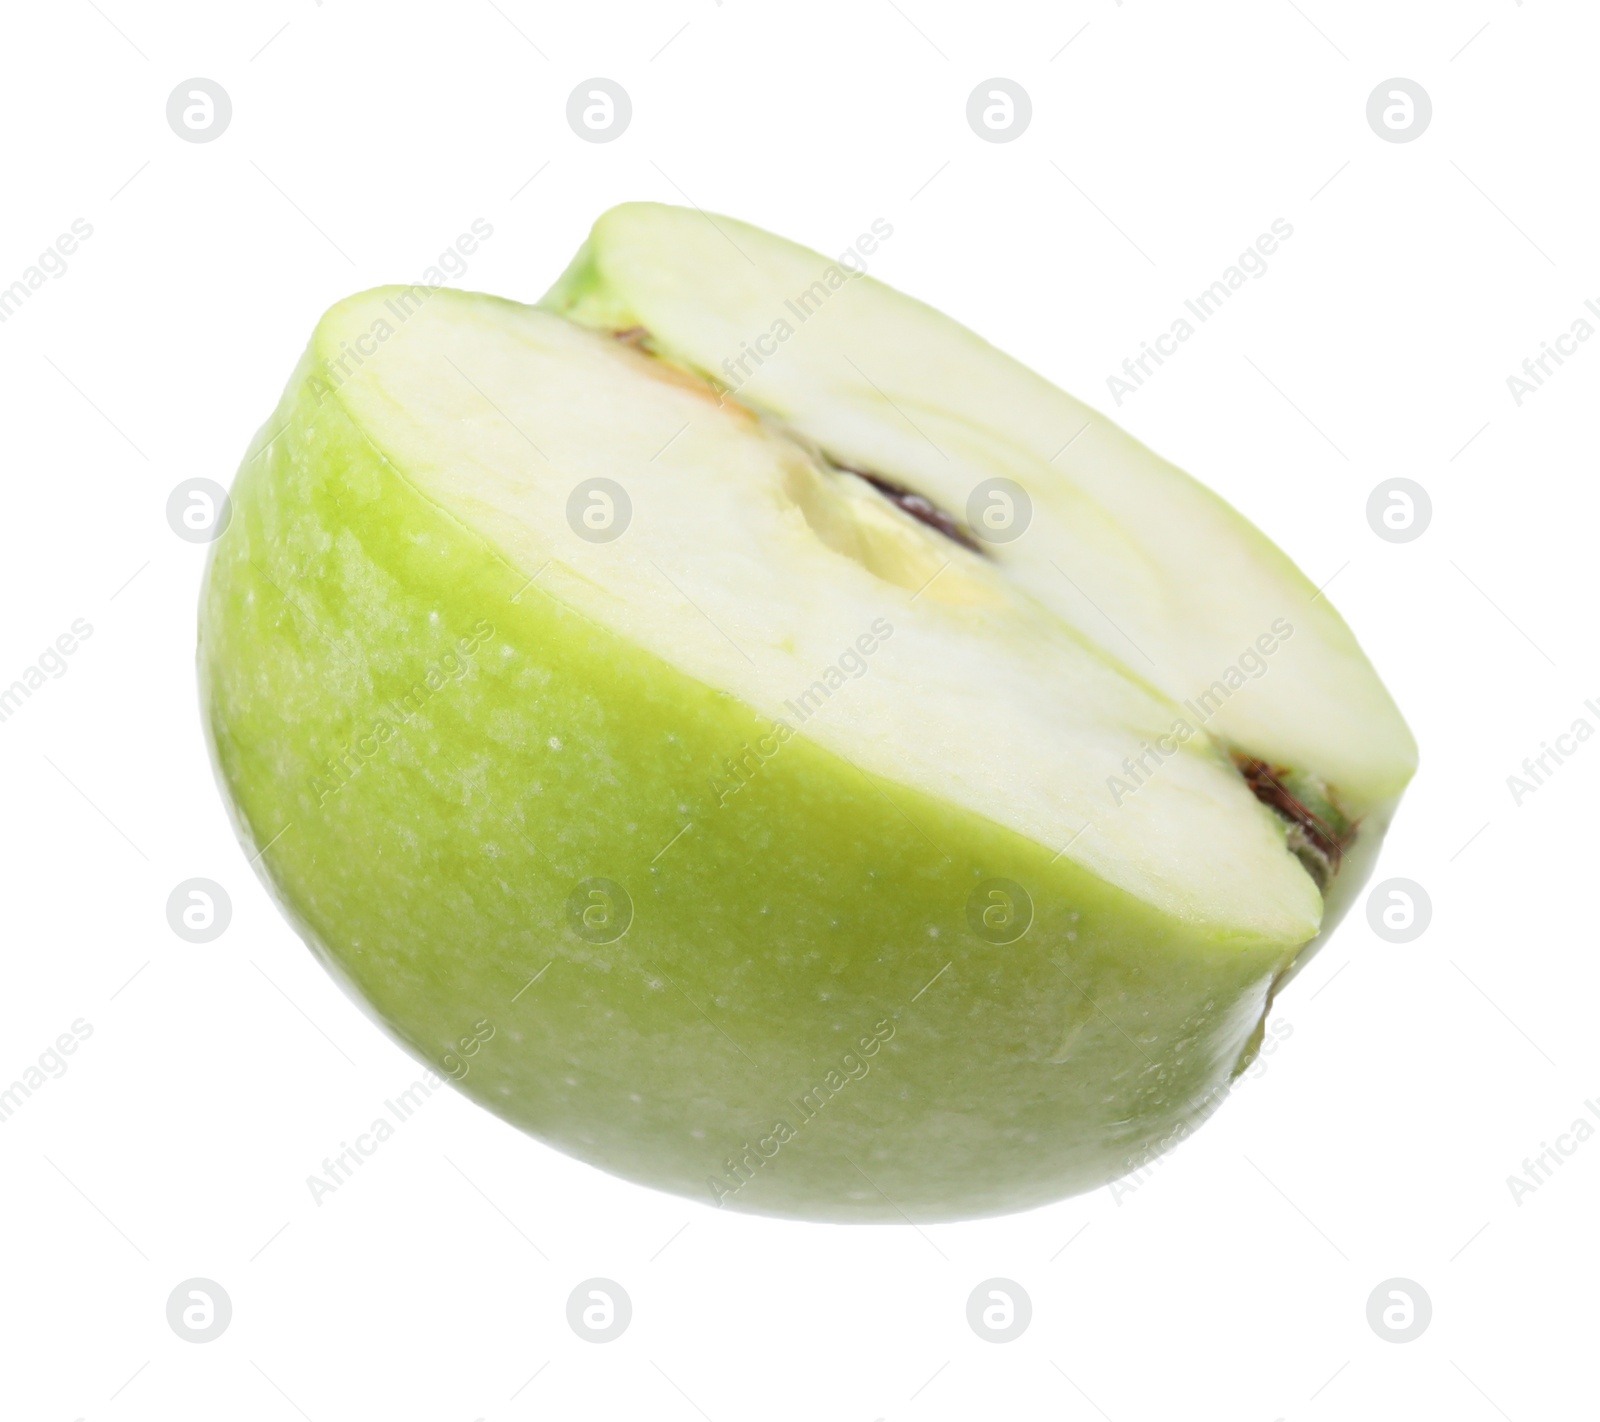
point(675, 757)
point(1142, 560)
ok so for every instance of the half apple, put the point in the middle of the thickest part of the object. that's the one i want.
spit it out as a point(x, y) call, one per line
point(759, 738)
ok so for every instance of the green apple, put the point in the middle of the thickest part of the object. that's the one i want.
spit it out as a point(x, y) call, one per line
point(758, 738)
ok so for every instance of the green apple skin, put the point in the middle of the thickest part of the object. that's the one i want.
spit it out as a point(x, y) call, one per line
point(425, 754)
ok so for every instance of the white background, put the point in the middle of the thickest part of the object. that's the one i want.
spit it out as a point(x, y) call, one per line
point(1414, 1079)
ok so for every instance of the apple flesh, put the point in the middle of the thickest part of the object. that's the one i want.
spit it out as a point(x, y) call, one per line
point(772, 851)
